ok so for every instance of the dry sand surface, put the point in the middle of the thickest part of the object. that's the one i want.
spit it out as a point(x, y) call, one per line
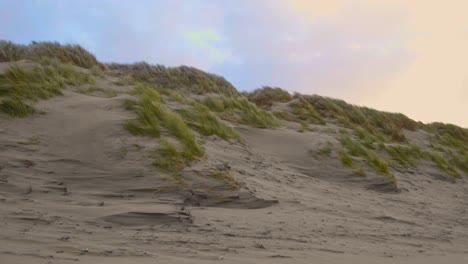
point(75, 188)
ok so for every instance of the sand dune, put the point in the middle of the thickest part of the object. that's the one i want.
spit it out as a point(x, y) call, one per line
point(76, 187)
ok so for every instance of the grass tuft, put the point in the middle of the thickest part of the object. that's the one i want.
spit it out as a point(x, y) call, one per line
point(360, 172)
point(346, 160)
point(226, 177)
point(357, 149)
point(169, 159)
point(443, 164)
point(302, 128)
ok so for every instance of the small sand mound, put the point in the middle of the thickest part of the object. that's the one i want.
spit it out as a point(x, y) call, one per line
point(241, 200)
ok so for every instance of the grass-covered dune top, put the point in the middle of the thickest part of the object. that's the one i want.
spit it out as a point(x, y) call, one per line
point(56, 60)
point(266, 96)
point(36, 51)
point(182, 77)
point(317, 109)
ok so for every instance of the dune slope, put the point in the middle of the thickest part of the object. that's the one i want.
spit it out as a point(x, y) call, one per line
point(75, 185)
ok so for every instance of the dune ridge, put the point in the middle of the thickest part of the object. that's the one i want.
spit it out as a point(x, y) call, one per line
point(112, 163)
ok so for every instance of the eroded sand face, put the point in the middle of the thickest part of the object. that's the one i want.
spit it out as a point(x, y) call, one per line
point(69, 192)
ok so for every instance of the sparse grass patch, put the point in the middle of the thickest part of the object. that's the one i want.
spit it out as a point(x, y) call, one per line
point(302, 128)
point(31, 141)
point(176, 183)
point(377, 162)
point(391, 178)
point(97, 71)
point(357, 149)
point(324, 151)
point(460, 160)
point(124, 152)
point(109, 93)
point(284, 116)
point(346, 160)
point(443, 164)
point(125, 81)
point(226, 177)
point(360, 172)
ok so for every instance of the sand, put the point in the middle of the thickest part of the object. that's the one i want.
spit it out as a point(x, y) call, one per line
point(75, 187)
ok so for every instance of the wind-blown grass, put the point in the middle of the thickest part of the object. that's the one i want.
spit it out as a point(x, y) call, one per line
point(68, 54)
point(304, 111)
point(390, 124)
point(355, 148)
point(20, 87)
point(16, 108)
point(454, 135)
point(266, 96)
point(460, 160)
point(246, 112)
point(226, 177)
point(201, 119)
point(169, 159)
point(175, 78)
point(405, 155)
point(151, 115)
point(443, 164)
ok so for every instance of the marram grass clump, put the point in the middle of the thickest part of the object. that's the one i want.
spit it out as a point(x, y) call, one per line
point(266, 96)
point(21, 87)
point(151, 116)
point(182, 78)
point(239, 109)
point(206, 123)
point(355, 148)
point(169, 159)
point(346, 159)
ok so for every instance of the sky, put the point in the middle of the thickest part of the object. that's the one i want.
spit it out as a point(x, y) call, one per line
point(392, 55)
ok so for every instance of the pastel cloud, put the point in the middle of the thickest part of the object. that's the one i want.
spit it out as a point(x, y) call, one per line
point(207, 41)
point(395, 55)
